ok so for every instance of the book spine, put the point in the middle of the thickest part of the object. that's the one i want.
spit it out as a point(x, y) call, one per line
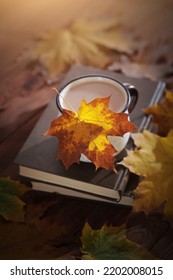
point(157, 96)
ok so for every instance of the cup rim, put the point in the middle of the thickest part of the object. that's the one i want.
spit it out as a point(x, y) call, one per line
point(126, 105)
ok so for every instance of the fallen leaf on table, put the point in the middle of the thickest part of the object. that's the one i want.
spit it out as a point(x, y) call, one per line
point(142, 70)
point(23, 89)
point(154, 161)
point(110, 243)
point(83, 42)
point(162, 114)
point(19, 241)
point(86, 132)
point(11, 206)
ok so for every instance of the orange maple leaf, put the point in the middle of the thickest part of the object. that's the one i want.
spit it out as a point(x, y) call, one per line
point(86, 131)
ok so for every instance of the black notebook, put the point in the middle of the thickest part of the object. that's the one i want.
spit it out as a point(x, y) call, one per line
point(37, 158)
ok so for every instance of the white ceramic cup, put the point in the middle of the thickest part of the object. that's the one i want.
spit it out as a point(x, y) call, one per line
point(123, 99)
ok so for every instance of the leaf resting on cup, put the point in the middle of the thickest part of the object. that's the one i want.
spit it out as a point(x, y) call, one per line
point(85, 132)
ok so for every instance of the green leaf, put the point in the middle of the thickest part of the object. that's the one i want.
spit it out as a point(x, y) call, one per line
point(11, 207)
point(110, 243)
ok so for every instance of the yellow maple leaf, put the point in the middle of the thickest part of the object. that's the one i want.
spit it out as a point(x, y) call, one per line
point(83, 42)
point(154, 161)
point(162, 114)
point(86, 133)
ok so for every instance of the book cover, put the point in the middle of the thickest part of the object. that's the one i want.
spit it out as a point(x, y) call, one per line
point(37, 158)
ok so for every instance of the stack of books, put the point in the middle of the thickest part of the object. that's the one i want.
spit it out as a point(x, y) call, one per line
point(37, 158)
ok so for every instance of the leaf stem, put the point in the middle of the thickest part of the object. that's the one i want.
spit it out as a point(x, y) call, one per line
point(68, 103)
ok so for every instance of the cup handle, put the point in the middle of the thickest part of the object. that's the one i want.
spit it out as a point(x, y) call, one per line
point(133, 94)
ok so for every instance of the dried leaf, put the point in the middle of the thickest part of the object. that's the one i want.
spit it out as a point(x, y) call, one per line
point(83, 42)
point(11, 206)
point(162, 114)
point(47, 230)
point(154, 161)
point(142, 70)
point(86, 132)
point(110, 243)
point(19, 241)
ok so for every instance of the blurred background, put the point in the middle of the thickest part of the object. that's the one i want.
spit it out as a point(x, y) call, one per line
point(22, 21)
